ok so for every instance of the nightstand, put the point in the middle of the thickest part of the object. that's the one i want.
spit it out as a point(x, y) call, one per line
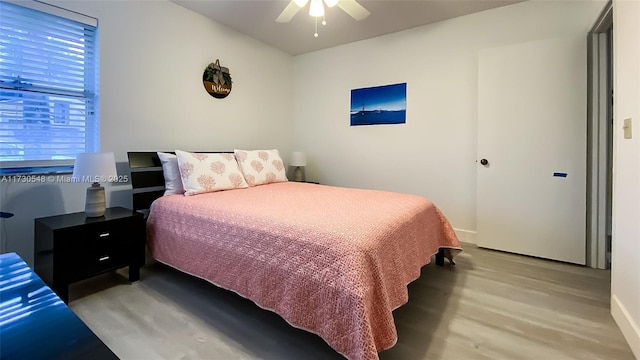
point(73, 247)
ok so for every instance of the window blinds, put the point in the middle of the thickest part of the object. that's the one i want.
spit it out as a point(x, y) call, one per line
point(48, 87)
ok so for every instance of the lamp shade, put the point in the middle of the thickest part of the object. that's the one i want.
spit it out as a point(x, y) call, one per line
point(298, 159)
point(331, 3)
point(316, 8)
point(95, 168)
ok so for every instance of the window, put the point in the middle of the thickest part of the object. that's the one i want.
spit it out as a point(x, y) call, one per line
point(48, 85)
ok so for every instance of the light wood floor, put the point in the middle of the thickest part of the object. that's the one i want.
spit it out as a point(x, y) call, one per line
point(491, 305)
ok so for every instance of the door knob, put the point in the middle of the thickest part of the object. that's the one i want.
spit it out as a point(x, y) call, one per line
point(484, 162)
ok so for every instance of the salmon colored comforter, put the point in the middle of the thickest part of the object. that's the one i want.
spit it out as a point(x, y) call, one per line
point(333, 261)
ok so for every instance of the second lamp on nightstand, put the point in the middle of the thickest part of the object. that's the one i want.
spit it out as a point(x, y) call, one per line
point(299, 161)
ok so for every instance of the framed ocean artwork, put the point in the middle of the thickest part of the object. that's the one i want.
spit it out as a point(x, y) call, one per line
point(379, 105)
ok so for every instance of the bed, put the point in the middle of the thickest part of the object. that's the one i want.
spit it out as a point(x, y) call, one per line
point(333, 261)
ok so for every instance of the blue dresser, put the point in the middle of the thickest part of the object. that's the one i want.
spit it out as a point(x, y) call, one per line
point(36, 324)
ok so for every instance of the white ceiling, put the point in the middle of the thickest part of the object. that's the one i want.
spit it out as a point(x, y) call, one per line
point(256, 18)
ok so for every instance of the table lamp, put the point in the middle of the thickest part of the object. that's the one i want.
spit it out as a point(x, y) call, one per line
point(95, 168)
point(298, 160)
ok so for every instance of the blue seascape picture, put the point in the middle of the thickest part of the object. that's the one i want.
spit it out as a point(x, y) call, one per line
point(379, 105)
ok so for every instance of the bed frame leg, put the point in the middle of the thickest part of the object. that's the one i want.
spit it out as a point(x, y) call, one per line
point(440, 257)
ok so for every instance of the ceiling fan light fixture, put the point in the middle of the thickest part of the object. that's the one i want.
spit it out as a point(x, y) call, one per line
point(331, 3)
point(316, 9)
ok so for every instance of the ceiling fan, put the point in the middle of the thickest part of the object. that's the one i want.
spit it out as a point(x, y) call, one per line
point(316, 9)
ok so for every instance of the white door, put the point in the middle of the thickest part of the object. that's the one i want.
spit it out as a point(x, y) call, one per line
point(532, 116)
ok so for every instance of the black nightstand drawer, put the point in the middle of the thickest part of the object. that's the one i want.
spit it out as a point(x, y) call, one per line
point(72, 247)
point(91, 254)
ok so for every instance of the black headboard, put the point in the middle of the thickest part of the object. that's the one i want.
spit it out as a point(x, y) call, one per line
point(147, 177)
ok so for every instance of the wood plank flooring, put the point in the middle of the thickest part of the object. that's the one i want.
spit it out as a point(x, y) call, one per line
point(491, 305)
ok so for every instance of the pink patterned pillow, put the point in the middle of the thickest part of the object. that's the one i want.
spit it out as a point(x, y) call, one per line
point(261, 166)
point(202, 173)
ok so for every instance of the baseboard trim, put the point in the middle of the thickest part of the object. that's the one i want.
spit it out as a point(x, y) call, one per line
point(630, 330)
point(466, 236)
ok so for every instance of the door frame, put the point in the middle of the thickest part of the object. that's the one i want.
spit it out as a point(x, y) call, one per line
point(600, 140)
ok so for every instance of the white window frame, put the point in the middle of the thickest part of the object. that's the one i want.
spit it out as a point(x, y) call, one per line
point(90, 94)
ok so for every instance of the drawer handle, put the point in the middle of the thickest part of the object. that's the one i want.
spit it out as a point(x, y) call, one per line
point(104, 235)
point(104, 258)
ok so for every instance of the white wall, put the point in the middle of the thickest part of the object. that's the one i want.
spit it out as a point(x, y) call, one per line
point(625, 271)
point(434, 153)
point(152, 56)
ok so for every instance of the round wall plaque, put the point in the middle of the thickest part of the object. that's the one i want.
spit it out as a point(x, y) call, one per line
point(217, 80)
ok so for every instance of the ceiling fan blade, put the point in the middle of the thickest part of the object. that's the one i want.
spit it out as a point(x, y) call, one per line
point(353, 8)
point(288, 13)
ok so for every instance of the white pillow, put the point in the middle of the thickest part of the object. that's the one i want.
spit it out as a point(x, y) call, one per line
point(172, 180)
point(261, 166)
point(202, 173)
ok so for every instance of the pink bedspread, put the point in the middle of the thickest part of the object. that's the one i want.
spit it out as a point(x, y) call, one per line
point(330, 260)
